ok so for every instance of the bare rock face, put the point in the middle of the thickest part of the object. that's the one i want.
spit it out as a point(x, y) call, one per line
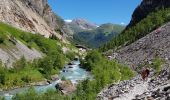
point(44, 10)
point(146, 7)
point(37, 5)
point(29, 15)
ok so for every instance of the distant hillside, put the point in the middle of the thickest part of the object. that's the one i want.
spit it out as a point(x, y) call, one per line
point(96, 37)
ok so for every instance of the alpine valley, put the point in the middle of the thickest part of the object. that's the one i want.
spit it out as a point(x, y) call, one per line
point(45, 57)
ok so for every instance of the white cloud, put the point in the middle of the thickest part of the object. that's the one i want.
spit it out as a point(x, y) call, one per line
point(68, 20)
point(122, 23)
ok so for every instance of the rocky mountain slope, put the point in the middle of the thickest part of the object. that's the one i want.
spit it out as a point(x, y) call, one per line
point(144, 50)
point(30, 15)
point(146, 7)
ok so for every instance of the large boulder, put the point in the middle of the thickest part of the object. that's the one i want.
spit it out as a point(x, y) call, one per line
point(66, 87)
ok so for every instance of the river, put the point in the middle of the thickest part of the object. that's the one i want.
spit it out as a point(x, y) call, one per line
point(73, 72)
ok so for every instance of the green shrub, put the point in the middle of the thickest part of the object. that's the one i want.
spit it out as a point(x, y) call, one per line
point(2, 98)
point(3, 37)
point(30, 94)
point(126, 73)
point(2, 40)
point(70, 55)
point(63, 78)
point(20, 64)
point(157, 63)
point(2, 74)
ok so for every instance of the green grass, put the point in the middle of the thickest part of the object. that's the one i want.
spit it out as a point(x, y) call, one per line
point(157, 64)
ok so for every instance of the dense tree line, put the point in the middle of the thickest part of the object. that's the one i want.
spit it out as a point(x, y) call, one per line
point(141, 29)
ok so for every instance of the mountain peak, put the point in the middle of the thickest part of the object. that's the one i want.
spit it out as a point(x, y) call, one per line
point(84, 24)
point(80, 24)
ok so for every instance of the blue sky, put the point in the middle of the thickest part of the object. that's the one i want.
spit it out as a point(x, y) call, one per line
point(97, 11)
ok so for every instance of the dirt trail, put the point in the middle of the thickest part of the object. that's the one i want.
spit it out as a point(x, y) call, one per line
point(137, 90)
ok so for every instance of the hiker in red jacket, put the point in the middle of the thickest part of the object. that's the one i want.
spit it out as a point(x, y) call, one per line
point(145, 73)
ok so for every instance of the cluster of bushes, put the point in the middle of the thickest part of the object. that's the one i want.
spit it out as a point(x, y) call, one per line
point(22, 73)
point(105, 72)
point(50, 65)
point(141, 29)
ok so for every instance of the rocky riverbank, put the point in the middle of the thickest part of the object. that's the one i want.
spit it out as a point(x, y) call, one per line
point(155, 88)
